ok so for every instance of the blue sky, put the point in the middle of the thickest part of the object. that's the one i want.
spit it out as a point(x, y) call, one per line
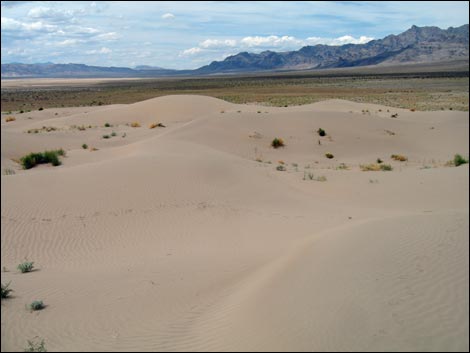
point(186, 35)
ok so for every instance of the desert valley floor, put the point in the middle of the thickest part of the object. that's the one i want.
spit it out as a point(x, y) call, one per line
point(188, 237)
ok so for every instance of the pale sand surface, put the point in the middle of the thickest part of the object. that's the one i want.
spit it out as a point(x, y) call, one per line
point(175, 238)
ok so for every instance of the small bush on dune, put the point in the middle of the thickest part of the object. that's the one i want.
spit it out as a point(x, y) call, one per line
point(113, 134)
point(375, 167)
point(399, 157)
point(31, 160)
point(37, 305)
point(6, 291)
point(34, 346)
point(386, 167)
point(277, 142)
point(154, 125)
point(459, 160)
point(84, 146)
point(135, 124)
point(281, 168)
point(10, 118)
point(106, 136)
point(26, 266)
point(329, 155)
point(107, 125)
point(321, 132)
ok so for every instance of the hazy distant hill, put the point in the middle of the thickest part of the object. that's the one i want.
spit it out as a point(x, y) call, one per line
point(416, 45)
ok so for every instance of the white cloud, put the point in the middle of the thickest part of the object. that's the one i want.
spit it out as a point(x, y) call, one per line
point(9, 24)
point(271, 41)
point(68, 42)
point(191, 51)
point(53, 15)
point(110, 36)
point(338, 41)
point(168, 16)
point(103, 50)
point(215, 43)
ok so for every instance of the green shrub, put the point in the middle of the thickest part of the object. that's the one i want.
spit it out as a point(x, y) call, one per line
point(41, 109)
point(321, 132)
point(36, 346)
point(6, 291)
point(31, 160)
point(107, 125)
point(26, 266)
point(329, 155)
point(459, 160)
point(277, 142)
point(37, 305)
point(386, 167)
point(106, 136)
point(281, 168)
point(379, 161)
point(113, 134)
point(84, 146)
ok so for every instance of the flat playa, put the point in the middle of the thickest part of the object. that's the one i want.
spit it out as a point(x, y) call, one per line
point(187, 237)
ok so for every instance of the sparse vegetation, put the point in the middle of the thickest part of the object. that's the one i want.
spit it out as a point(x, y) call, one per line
point(399, 157)
point(135, 124)
point(459, 160)
point(311, 176)
point(343, 166)
point(113, 134)
point(35, 346)
point(107, 125)
point(41, 108)
point(106, 136)
point(321, 132)
point(84, 146)
point(8, 171)
point(329, 155)
point(154, 125)
point(36, 305)
point(10, 118)
point(44, 128)
point(277, 142)
point(5, 293)
point(375, 167)
point(26, 266)
point(379, 161)
point(31, 160)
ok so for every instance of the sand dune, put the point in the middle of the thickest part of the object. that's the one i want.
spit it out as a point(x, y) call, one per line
point(177, 238)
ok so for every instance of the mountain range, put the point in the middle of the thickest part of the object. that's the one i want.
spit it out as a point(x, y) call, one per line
point(416, 45)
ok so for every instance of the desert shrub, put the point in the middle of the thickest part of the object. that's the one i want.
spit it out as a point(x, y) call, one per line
point(386, 167)
point(135, 124)
point(84, 146)
point(107, 125)
point(41, 109)
point(277, 142)
point(21, 111)
point(281, 168)
point(31, 160)
point(8, 171)
point(369, 167)
point(321, 132)
point(34, 346)
point(459, 160)
point(329, 155)
point(26, 266)
point(10, 118)
point(311, 176)
point(113, 134)
point(6, 291)
point(399, 157)
point(37, 305)
point(154, 125)
point(106, 136)
point(93, 149)
point(343, 166)
point(379, 161)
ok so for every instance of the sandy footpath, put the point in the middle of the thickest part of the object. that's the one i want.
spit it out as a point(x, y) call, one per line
point(187, 237)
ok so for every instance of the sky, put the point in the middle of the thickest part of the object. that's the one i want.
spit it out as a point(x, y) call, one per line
point(187, 35)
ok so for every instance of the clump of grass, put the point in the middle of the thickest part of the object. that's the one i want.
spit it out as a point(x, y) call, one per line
point(459, 160)
point(106, 136)
point(321, 132)
point(93, 149)
point(37, 305)
point(107, 125)
point(379, 161)
point(84, 146)
point(10, 118)
point(26, 266)
point(375, 167)
point(277, 142)
point(154, 125)
point(31, 160)
point(113, 134)
point(259, 160)
point(8, 171)
point(399, 157)
point(5, 293)
point(135, 124)
point(343, 166)
point(311, 176)
point(329, 155)
point(281, 168)
point(34, 346)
